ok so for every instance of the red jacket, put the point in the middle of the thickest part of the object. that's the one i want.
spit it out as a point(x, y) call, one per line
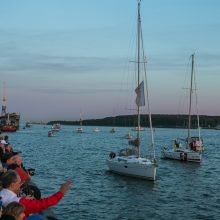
point(35, 206)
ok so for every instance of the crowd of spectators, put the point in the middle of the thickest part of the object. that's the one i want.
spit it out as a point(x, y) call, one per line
point(20, 198)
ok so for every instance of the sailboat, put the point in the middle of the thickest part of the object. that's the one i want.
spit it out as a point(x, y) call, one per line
point(113, 130)
point(128, 136)
point(56, 127)
point(190, 148)
point(129, 161)
point(80, 129)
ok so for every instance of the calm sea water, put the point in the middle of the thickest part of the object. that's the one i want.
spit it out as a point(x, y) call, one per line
point(181, 191)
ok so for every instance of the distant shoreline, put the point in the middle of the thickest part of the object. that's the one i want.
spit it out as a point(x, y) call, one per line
point(158, 120)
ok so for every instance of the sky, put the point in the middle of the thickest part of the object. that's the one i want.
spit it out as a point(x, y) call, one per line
point(63, 58)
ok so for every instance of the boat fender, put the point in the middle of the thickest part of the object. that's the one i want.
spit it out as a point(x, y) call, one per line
point(112, 155)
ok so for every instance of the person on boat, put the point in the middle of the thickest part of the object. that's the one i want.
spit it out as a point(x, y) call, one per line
point(11, 184)
point(192, 144)
point(176, 144)
point(13, 211)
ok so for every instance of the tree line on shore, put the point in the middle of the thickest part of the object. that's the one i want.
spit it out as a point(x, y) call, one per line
point(158, 120)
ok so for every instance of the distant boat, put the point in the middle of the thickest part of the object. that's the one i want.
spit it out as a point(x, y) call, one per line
point(217, 127)
point(96, 130)
point(129, 161)
point(190, 148)
point(128, 136)
point(113, 130)
point(80, 129)
point(9, 122)
point(56, 127)
point(51, 134)
point(139, 128)
point(28, 124)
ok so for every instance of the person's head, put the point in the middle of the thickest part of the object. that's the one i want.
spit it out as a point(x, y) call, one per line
point(6, 137)
point(10, 157)
point(14, 209)
point(17, 159)
point(8, 148)
point(11, 180)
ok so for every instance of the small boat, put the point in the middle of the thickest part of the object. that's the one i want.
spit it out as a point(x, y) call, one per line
point(56, 127)
point(28, 124)
point(217, 127)
point(79, 130)
point(128, 136)
point(129, 161)
point(113, 130)
point(139, 128)
point(51, 134)
point(96, 130)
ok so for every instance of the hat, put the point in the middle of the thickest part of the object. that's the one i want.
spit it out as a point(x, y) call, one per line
point(36, 217)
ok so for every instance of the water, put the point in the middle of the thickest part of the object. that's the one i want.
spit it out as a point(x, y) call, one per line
point(181, 191)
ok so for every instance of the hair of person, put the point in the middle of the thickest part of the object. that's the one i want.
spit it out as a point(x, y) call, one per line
point(8, 178)
point(14, 209)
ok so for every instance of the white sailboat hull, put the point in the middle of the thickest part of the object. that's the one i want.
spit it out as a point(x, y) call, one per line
point(138, 129)
point(132, 166)
point(182, 155)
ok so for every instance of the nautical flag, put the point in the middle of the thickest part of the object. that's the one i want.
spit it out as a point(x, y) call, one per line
point(140, 99)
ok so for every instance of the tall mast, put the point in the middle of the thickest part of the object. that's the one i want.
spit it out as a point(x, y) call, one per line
point(190, 96)
point(4, 100)
point(80, 119)
point(138, 67)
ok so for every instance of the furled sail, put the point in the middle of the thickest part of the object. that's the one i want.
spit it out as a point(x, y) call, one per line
point(140, 99)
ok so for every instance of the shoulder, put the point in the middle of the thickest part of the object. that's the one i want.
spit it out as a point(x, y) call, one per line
point(8, 197)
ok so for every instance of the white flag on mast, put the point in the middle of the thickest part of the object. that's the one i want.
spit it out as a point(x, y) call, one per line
point(140, 99)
